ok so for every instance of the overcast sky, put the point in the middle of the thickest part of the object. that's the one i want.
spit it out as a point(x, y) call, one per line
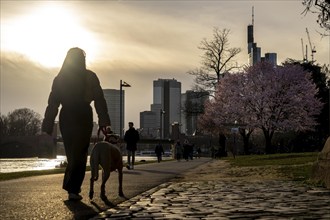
point(137, 41)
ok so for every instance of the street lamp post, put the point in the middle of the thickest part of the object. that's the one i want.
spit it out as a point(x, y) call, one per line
point(122, 84)
point(234, 131)
point(162, 112)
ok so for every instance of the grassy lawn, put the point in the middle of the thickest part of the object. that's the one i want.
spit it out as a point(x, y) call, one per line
point(274, 159)
point(295, 166)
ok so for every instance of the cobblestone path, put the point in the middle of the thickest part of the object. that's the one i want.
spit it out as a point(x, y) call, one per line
point(224, 199)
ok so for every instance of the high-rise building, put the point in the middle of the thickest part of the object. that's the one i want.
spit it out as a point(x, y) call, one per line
point(112, 97)
point(165, 110)
point(167, 97)
point(271, 57)
point(254, 52)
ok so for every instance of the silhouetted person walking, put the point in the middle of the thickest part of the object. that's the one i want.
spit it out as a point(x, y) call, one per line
point(131, 138)
point(159, 152)
point(186, 149)
point(178, 150)
point(74, 88)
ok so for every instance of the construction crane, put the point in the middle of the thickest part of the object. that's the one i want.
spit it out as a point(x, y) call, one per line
point(303, 53)
point(310, 44)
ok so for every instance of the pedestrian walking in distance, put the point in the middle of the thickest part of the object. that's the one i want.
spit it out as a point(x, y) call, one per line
point(178, 150)
point(159, 152)
point(131, 138)
point(74, 88)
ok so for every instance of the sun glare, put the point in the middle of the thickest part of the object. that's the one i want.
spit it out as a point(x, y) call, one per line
point(46, 33)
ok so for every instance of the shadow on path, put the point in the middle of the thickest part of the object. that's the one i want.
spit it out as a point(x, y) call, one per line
point(80, 210)
point(157, 171)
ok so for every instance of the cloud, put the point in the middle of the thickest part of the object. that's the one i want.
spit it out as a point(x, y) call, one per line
point(24, 84)
point(141, 41)
point(138, 36)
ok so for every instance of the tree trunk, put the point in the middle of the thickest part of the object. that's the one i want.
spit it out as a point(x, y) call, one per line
point(246, 140)
point(268, 140)
point(222, 145)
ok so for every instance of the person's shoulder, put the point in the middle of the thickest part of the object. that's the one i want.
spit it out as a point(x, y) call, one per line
point(91, 76)
point(90, 73)
point(57, 80)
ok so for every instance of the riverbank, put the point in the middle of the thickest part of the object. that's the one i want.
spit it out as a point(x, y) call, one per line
point(22, 174)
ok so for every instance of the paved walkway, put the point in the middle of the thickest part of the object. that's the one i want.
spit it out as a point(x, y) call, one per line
point(42, 197)
point(225, 199)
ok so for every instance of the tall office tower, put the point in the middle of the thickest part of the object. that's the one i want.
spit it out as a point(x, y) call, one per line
point(254, 52)
point(112, 97)
point(192, 104)
point(250, 38)
point(166, 104)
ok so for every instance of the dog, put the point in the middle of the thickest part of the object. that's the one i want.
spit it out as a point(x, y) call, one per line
point(108, 155)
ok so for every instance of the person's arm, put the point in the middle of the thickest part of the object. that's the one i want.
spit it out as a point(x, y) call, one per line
point(126, 136)
point(51, 110)
point(137, 136)
point(99, 102)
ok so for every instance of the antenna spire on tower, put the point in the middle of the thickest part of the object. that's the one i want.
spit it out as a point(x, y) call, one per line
point(252, 15)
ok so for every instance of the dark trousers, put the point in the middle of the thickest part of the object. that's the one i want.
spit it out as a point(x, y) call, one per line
point(76, 132)
point(159, 157)
point(130, 153)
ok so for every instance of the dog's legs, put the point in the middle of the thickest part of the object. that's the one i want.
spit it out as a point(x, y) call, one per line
point(91, 188)
point(94, 163)
point(120, 181)
point(105, 177)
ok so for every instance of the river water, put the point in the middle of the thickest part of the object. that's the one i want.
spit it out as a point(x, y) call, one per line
point(11, 165)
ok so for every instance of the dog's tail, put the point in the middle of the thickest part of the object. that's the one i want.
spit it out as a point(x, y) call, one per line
point(94, 162)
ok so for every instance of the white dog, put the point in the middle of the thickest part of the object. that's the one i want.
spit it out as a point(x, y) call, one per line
point(106, 154)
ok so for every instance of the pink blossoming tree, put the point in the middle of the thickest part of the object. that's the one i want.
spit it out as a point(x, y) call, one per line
point(280, 98)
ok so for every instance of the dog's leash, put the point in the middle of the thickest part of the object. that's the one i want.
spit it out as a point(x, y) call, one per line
point(108, 134)
point(104, 131)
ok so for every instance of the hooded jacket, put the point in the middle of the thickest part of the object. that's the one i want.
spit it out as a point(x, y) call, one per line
point(68, 96)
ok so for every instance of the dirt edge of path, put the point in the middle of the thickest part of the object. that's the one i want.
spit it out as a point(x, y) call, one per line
point(222, 170)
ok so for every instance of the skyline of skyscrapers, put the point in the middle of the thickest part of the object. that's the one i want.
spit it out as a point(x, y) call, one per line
point(170, 105)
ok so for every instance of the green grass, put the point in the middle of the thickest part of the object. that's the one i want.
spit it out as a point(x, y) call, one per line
point(294, 166)
point(274, 159)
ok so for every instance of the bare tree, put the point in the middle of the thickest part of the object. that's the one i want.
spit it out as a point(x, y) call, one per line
point(20, 122)
point(3, 126)
point(217, 59)
point(322, 8)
